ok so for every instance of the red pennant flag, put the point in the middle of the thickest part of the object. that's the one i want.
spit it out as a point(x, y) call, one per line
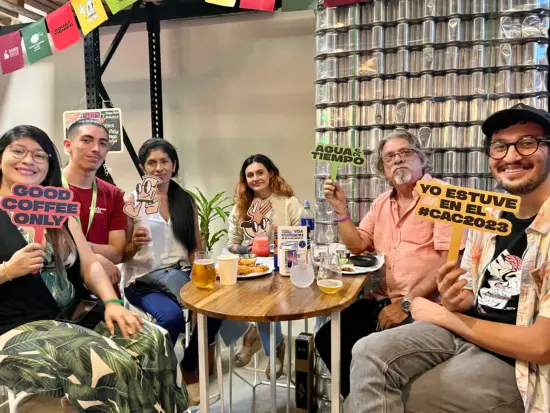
point(11, 53)
point(334, 3)
point(263, 5)
point(63, 28)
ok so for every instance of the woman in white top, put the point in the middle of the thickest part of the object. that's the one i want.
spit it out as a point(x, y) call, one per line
point(259, 178)
point(161, 250)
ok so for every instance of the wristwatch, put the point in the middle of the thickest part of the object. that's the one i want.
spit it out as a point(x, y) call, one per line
point(406, 305)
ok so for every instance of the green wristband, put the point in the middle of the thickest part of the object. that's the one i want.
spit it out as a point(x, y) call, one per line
point(114, 300)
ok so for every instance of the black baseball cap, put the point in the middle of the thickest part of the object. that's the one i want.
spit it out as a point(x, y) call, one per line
point(517, 113)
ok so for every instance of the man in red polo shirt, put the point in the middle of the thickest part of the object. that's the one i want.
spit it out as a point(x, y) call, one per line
point(101, 204)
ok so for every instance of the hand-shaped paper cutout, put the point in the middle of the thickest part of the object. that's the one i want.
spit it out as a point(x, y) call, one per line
point(257, 223)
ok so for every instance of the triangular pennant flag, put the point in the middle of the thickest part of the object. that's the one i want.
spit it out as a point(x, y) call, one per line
point(11, 53)
point(297, 5)
point(117, 5)
point(35, 39)
point(90, 14)
point(263, 5)
point(226, 3)
point(334, 3)
point(62, 26)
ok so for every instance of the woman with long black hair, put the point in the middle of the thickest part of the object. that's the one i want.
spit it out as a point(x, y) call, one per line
point(161, 251)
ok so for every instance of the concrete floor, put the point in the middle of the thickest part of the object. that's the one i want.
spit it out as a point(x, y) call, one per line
point(245, 399)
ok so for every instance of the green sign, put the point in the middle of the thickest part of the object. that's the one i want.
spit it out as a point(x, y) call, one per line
point(117, 5)
point(338, 155)
point(297, 5)
point(35, 39)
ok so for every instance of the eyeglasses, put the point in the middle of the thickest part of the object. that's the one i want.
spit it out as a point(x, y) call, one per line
point(403, 154)
point(20, 152)
point(525, 146)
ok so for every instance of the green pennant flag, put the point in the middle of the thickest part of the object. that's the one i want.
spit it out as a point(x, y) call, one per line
point(297, 5)
point(35, 39)
point(117, 5)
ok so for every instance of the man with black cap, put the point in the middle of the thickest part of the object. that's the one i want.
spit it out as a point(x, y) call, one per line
point(486, 348)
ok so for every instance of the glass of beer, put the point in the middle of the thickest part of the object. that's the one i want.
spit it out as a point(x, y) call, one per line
point(203, 273)
point(329, 275)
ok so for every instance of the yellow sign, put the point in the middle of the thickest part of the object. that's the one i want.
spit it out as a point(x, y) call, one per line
point(465, 208)
point(90, 14)
point(226, 3)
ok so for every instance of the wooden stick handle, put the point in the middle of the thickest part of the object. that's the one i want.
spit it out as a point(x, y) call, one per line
point(38, 235)
point(334, 171)
point(456, 239)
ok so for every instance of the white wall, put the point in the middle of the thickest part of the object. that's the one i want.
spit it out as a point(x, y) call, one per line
point(232, 86)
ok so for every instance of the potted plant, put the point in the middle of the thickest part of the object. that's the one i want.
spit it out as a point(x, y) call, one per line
point(209, 210)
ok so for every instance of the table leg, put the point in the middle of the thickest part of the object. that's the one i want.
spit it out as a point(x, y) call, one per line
point(289, 365)
point(335, 361)
point(272, 357)
point(203, 363)
point(231, 354)
point(306, 325)
point(220, 371)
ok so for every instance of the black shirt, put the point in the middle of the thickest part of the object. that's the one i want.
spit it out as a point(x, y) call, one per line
point(498, 297)
point(27, 299)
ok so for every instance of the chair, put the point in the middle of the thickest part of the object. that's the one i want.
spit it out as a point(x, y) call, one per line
point(14, 399)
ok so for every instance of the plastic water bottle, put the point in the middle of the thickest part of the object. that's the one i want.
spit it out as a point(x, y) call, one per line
point(308, 219)
point(276, 248)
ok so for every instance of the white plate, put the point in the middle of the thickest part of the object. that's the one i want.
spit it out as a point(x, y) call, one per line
point(357, 270)
point(260, 261)
point(363, 270)
point(254, 275)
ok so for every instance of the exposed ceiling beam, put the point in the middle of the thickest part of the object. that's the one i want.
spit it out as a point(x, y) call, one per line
point(7, 6)
point(7, 20)
point(42, 5)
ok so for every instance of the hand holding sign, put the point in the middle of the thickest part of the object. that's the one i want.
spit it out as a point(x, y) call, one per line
point(338, 155)
point(465, 208)
point(39, 207)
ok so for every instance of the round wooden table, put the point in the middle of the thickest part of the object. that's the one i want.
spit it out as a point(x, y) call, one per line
point(269, 299)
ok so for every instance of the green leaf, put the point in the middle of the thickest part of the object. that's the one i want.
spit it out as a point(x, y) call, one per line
point(221, 201)
point(221, 213)
point(217, 236)
point(203, 198)
point(215, 199)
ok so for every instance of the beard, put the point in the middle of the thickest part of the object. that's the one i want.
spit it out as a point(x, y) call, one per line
point(403, 176)
point(527, 185)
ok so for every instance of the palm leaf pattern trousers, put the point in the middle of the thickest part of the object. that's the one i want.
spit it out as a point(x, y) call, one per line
point(96, 372)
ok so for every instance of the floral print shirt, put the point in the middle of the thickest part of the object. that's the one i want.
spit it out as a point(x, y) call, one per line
point(533, 380)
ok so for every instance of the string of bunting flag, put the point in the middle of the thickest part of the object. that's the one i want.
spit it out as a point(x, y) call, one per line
point(33, 40)
point(287, 5)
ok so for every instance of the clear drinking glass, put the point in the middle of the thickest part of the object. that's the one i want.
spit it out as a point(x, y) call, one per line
point(343, 254)
point(203, 273)
point(315, 253)
point(329, 275)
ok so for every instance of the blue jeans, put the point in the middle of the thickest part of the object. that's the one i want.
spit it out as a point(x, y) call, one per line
point(166, 311)
point(232, 330)
point(169, 316)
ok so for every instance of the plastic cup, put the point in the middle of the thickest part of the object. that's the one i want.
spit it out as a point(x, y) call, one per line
point(228, 266)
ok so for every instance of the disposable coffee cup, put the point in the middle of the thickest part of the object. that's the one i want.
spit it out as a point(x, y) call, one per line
point(227, 267)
